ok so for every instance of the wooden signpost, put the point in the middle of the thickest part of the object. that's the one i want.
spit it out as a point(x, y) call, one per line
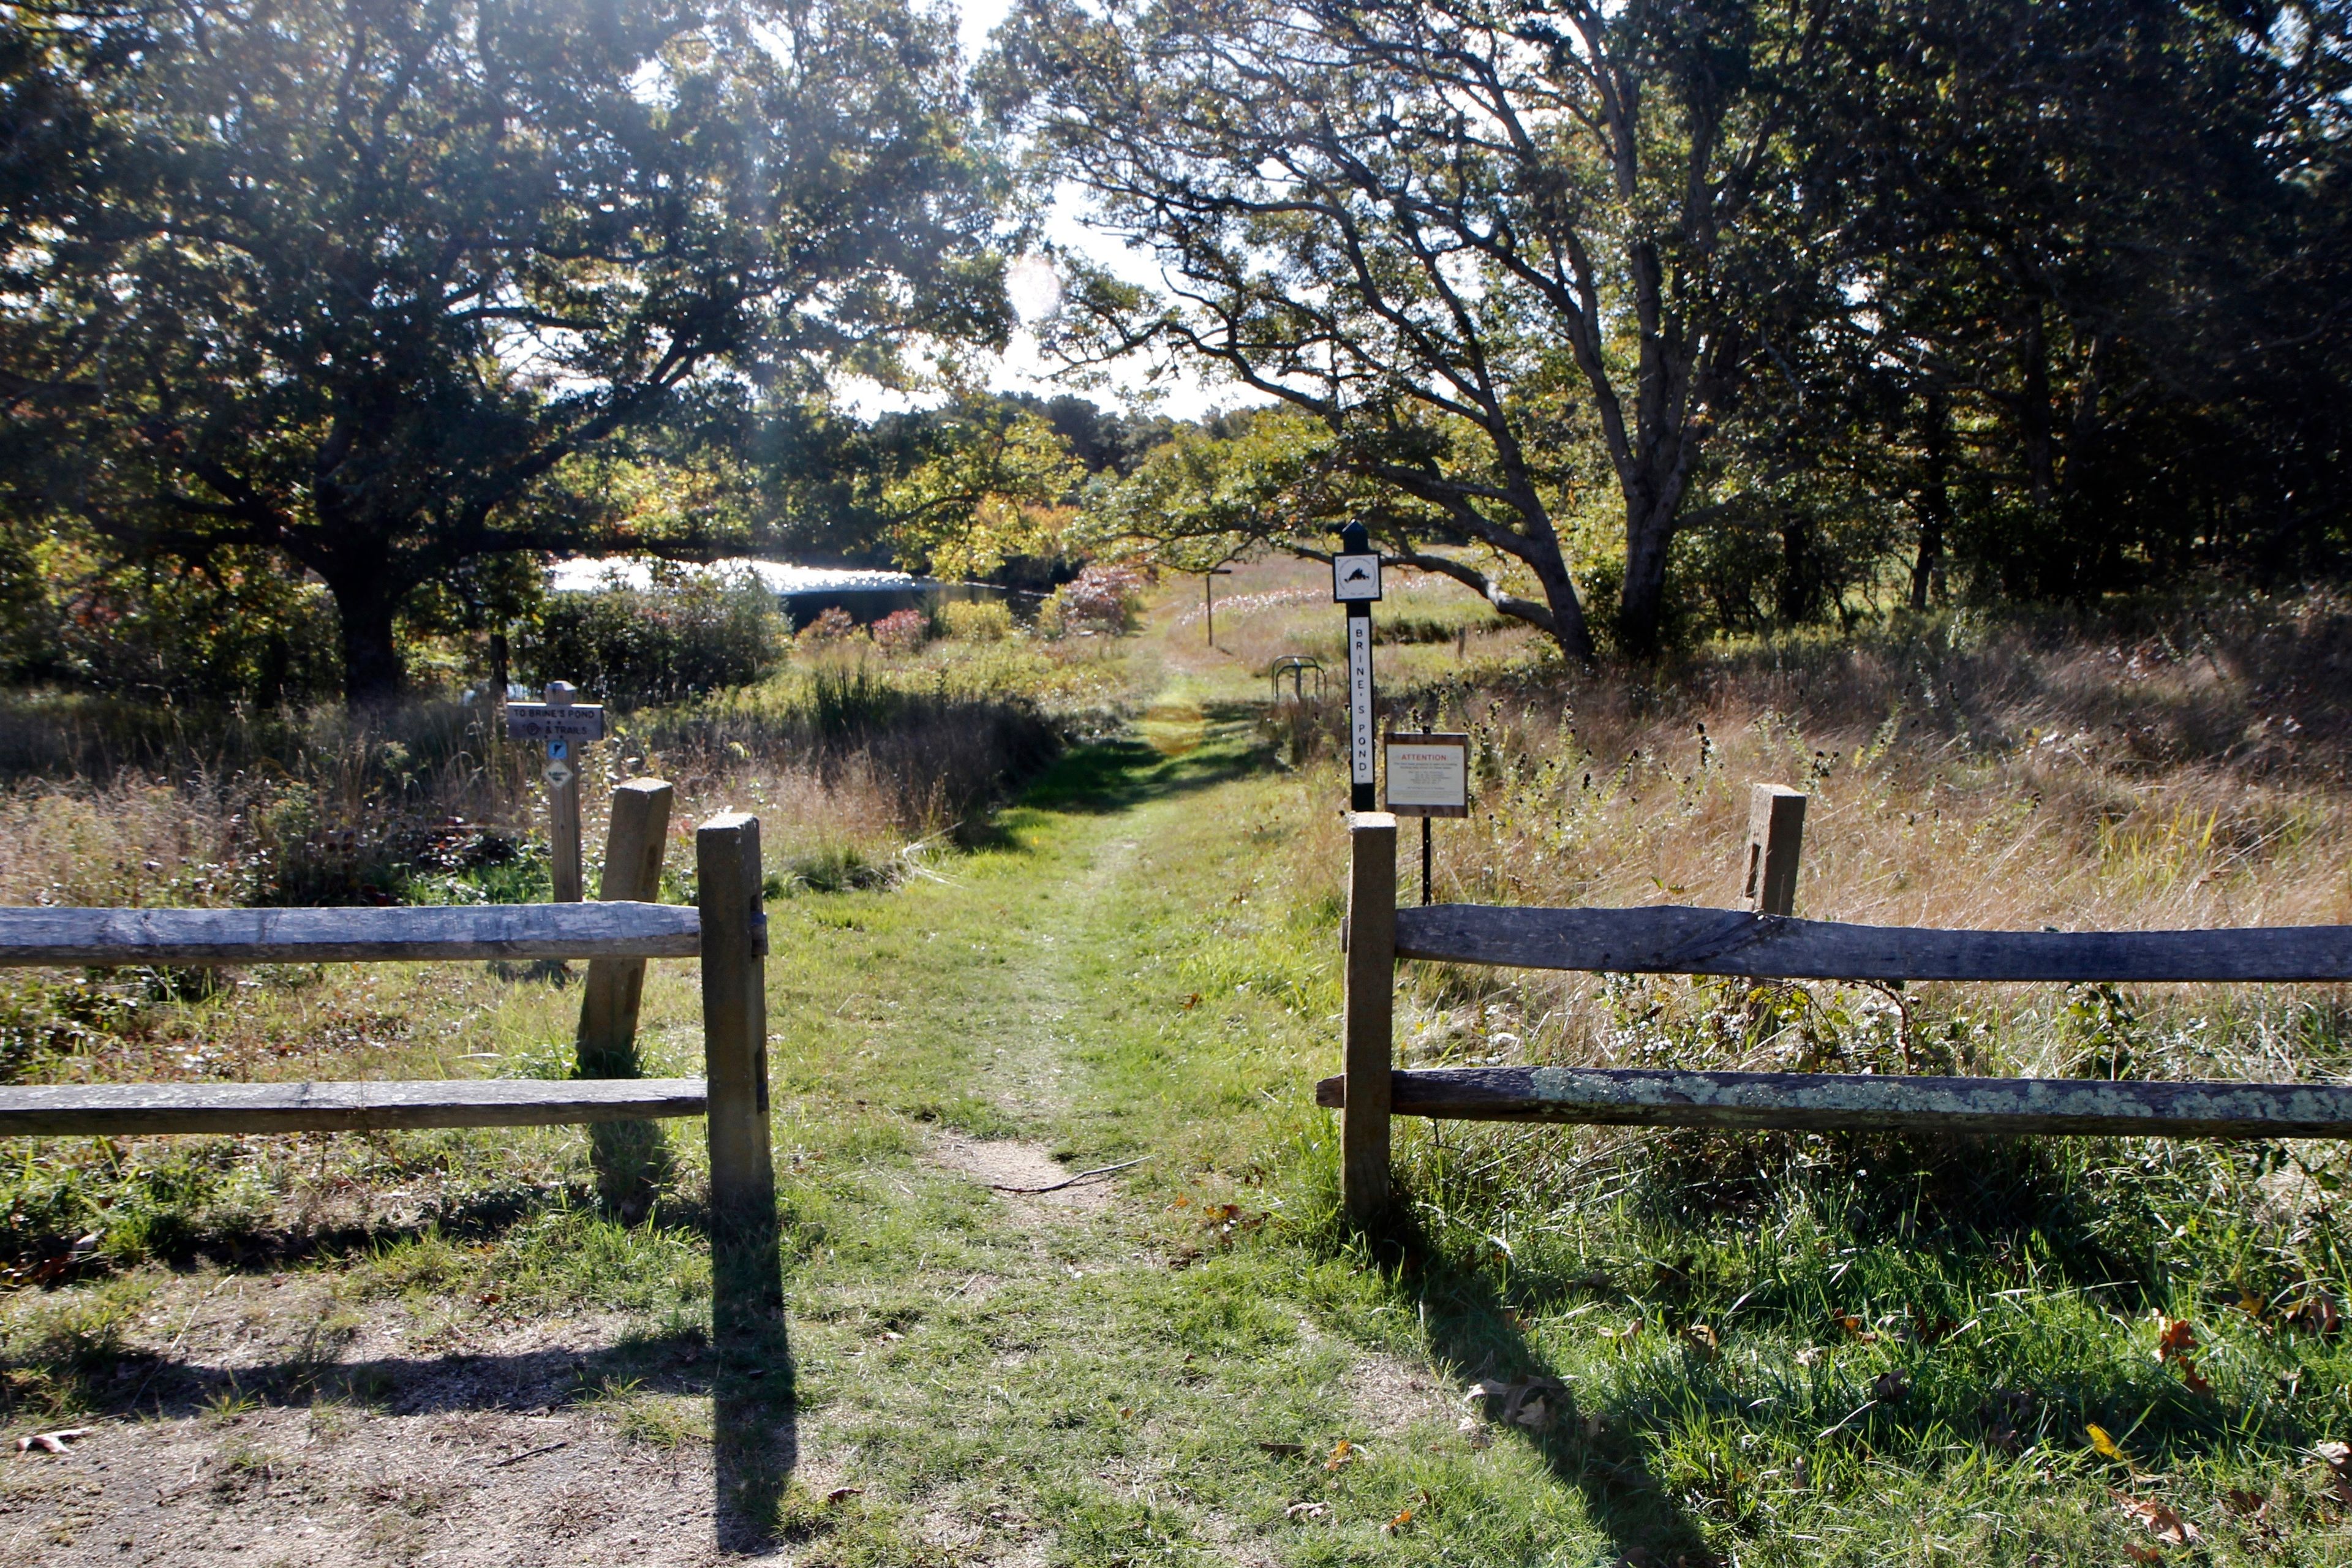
point(560, 723)
point(1356, 583)
point(1429, 775)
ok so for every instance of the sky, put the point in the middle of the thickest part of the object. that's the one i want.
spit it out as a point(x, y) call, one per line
point(1022, 368)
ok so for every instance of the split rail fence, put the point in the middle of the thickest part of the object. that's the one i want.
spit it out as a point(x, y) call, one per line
point(1765, 942)
point(727, 930)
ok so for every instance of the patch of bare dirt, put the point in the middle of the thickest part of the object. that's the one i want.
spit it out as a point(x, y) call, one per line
point(1019, 1173)
point(493, 1448)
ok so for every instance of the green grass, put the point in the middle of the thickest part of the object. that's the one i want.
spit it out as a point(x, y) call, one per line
point(1768, 1349)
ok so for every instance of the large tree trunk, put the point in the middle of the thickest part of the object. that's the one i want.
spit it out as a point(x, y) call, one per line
point(1934, 502)
point(1641, 614)
point(1575, 639)
point(372, 672)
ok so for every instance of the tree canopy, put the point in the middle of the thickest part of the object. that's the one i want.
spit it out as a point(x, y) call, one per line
point(1739, 291)
point(388, 286)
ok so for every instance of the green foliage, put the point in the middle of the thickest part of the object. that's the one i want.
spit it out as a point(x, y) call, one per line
point(995, 488)
point(977, 620)
point(630, 648)
point(238, 630)
point(569, 237)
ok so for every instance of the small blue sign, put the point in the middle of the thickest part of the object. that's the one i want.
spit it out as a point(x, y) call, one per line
point(558, 750)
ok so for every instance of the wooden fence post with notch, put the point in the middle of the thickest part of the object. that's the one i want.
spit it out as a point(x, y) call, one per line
point(1776, 837)
point(633, 864)
point(747, 1286)
point(632, 1159)
point(1367, 1055)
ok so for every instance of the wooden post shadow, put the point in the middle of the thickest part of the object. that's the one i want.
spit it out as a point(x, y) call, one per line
point(754, 1423)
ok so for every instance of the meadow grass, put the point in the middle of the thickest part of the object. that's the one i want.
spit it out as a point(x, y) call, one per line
point(1702, 1348)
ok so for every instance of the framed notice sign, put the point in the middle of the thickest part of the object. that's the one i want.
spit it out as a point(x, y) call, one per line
point(1429, 775)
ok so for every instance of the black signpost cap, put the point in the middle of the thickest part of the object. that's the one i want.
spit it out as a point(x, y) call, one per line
point(1354, 541)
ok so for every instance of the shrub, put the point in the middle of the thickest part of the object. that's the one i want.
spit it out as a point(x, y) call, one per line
point(247, 630)
point(978, 620)
point(902, 631)
point(627, 647)
point(833, 625)
point(1104, 601)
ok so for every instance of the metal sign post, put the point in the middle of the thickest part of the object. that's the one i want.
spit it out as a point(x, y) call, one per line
point(560, 722)
point(1429, 775)
point(1356, 583)
point(1209, 598)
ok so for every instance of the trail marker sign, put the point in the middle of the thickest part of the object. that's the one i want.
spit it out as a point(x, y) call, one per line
point(559, 721)
point(1356, 578)
point(552, 721)
point(1356, 584)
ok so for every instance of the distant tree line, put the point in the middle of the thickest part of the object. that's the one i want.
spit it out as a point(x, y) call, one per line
point(1634, 318)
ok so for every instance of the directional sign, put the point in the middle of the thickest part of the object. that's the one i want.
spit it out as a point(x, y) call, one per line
point(559, 750)
point(1359, 702)
point(557, 774)
point(539, 722)
point(1355, 578)
point(1429, 775)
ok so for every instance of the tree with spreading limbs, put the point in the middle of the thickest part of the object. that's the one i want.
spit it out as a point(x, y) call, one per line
point(382, 287)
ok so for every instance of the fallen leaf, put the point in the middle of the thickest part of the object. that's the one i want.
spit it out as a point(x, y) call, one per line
point(2253, 1306)
point(2160, 1520)
point(2241, 1500)
point(1307, 1510)
point(2139, 1553)
point(2104, 1446)
point(1192, 1001)
point(2337, 1457)
point(1345, 1453)
point(1704, 1340)
point(1398, 1522)
point(1284, 1450)
point(1534, 1403)
point(51, 1442)
point(1931, 1330)
point(1889, 1387)
point(2316, 1312)
point(840, 1494)
point(2178, 1339)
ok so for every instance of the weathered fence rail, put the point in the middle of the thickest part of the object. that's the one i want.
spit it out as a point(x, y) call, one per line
point(196, 938)
point(1765, 942)
point(728, 931)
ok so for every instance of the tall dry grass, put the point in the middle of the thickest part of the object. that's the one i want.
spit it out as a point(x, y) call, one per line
point(2174, 768)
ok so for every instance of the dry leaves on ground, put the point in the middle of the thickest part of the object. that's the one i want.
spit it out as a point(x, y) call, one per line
point(2160, 1519)
point(2337, 1458)
point(2175, 1342)
point(1534, 1403)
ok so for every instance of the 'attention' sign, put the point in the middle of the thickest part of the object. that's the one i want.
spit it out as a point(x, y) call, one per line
point(1429, 775)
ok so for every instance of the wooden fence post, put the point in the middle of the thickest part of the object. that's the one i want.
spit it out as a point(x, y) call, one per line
point(633, 864)
point(1776, 837)
point(632, 1159)
point(1370, 993)
point(747, 1286)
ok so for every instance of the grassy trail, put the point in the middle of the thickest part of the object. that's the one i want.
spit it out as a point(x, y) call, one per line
point(1095, 1375)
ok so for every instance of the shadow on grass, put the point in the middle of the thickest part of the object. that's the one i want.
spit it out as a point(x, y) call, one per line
point(744, 1364)
point(1120, 775)
point(1473, 1334)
